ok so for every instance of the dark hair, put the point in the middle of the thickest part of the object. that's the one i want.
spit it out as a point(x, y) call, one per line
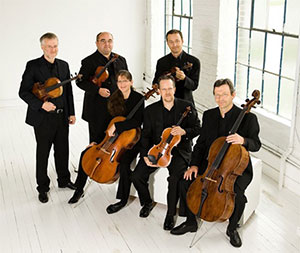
point(97, 37)
point(225, 81)
point(124, 73)
point(48, 36)
point(174, 31)
point(166, 77)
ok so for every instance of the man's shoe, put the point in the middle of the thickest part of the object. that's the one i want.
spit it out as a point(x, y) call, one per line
point(69, 185)
point(76, 196)
point(169, 222)
point(146, 209)
point(115, 207)
point(235, 238)
point(43, 197)
point(184, 228)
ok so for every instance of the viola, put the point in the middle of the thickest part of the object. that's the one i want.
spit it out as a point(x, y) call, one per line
point(52, 88)
point(211, 196)
point(100, 162)
point(101, 73)
point(173, 70)
point(160, 154)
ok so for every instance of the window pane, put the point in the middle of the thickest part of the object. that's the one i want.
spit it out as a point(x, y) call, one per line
point(257, 49)
point(177, 7)
point(168, 21)
point(186, 7)
point(292, 17)
point(286, 98)
point(255, 81)
point(289, 60)
point(191, 33)
point(241, 81)
point(273, 53)
point(176, 23)
point(244, 13)
point(243, 45)
point(270, 92)
point(276, 11)
point(260, 10)
point(185, 30)
point(169, 6)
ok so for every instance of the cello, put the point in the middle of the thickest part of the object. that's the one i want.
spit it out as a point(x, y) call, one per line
point(100, 162)
point(211, 196)
point(160, 154)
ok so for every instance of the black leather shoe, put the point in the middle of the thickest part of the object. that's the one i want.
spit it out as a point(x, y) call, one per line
point(235, 238)
point(69, 185)
point(169, 222)
point(115, 207)
point(146, 209)
point(43, 197)
point(76, 196)
point(184, 228)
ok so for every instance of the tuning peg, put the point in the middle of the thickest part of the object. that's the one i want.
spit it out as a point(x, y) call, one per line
point(258, 102)
point(243, 105)
point(247, 100)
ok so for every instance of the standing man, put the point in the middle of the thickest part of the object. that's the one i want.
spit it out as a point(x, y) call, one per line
point(50, 118)
point(187, 78)
point(218, 122)
point(95, 97)
point(157, 117)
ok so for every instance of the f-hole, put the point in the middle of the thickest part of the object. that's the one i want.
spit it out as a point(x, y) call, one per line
point(219, 186)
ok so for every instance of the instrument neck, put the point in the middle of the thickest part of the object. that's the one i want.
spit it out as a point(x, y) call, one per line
point(55, 86)
point(133, 111)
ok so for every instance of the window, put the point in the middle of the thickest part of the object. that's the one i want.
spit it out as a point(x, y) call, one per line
point(266, 52)
point(179, 15)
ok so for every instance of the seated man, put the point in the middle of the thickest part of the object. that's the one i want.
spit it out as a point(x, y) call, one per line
point(217, 122)
point(158, 116)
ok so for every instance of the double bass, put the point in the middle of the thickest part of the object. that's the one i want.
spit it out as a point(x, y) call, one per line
point(211, 196)
point(160, 154)
point(100, 162)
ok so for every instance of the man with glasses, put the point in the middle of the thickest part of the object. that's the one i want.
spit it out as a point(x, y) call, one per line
point(95, 97)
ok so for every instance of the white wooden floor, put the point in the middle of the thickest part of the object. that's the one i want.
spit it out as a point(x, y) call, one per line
point(26, 225)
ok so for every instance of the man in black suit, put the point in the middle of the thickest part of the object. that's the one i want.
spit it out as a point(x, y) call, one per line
point(218, 122)
point(95, 98)
point(50, 118)
point(157, 117)
point(187, 79)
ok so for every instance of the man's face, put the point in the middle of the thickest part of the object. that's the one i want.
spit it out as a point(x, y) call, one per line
point(167, 90)
point(175, 43)
point(105, 43)
point(223, 97)
point(50, 48)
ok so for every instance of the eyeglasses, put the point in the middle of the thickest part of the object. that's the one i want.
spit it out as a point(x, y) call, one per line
point(123, 81)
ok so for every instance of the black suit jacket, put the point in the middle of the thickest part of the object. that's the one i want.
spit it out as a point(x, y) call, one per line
point(37, 71)
point(249, 129)
point(190, 83)
point(153, 127)
point(94, 105)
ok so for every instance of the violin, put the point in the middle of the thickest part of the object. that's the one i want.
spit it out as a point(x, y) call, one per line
point(100, 162)
point(101, 73)
point(160, 154)
point(173, 70)
point(52, 88)
point(211, 196)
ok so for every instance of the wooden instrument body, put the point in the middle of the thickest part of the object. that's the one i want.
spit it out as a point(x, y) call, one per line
point(100, 162)
point(39, 89)
point(102, 78)
point(219, 202)
point(162, 151)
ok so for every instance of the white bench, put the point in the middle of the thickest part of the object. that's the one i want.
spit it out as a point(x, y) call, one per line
point(158, 188)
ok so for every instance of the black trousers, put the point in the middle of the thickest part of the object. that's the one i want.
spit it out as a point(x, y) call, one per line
point(97, 129)
point(140, 178)
point(125, 172)
point(240, 203)
point(53, 130)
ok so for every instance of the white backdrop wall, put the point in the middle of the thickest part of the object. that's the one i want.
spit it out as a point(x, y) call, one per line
point(76, 23)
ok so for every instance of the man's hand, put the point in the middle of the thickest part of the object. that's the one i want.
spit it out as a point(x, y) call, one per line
point(177, 130)
point(235, 139)
point(188, 175)
point(104, 92)
point(48, 106)
point(72, 120)
point(179, 74)
point(150, 164)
